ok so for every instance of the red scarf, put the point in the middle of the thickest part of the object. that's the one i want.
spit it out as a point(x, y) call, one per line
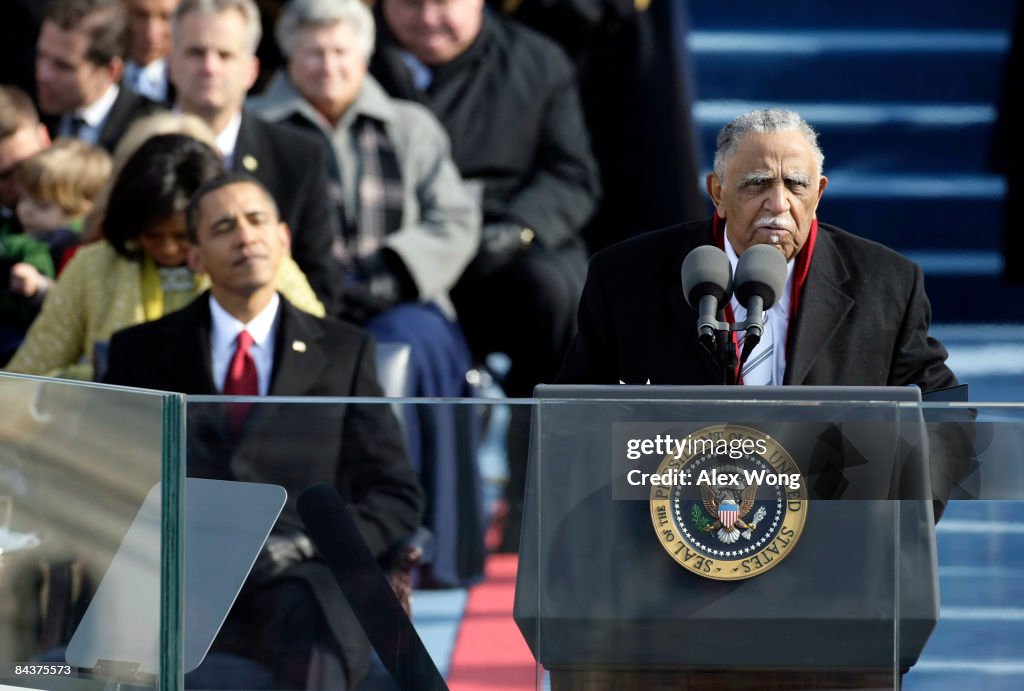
point(800, 271)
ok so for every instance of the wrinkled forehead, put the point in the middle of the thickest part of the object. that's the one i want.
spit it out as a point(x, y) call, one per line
point(773, 153)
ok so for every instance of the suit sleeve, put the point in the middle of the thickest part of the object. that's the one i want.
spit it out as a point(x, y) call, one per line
point(590, 359)
point(375, 475)
point(563, 191)
point(918, 358)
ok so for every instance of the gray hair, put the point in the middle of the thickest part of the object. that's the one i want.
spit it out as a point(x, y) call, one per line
point(764, 121)
point(209, 8)
point(304, 14)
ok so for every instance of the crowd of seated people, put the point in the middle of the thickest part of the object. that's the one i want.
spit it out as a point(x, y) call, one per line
point(434, 185)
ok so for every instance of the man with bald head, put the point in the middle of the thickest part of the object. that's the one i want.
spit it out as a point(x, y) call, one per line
point(852, 311)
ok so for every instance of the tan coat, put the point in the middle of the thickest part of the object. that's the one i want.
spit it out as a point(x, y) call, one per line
point(100, 292)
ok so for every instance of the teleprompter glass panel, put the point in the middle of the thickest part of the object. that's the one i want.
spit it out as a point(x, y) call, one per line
point(81, 486)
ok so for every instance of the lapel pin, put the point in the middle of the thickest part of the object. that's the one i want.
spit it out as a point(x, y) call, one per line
point(250, 163)
point(299, 346)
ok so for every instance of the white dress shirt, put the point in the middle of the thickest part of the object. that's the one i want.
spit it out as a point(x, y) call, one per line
point(227, 138)
point(149, 80)
point(93, 117)
point(224, 330)
point(776, 319)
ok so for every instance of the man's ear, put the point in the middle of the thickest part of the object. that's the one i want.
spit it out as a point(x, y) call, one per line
point(714, 187)
point(822, 184)
point(116, 68)
point(195, 259)
point(254, 72)
point(286, 235)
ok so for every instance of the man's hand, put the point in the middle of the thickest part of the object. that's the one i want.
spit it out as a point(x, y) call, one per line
point(281, 552)
point(499, 244)
point(377, 287)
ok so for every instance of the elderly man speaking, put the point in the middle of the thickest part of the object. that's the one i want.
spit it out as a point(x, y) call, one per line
point(852, 312)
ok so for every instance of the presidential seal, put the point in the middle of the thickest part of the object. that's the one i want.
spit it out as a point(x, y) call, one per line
point(736, 507)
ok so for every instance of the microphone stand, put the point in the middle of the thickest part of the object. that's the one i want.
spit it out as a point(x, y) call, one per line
point(723, 351)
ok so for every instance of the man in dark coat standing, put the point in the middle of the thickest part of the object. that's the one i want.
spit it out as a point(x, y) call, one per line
point(852, 313)
point(243, 338)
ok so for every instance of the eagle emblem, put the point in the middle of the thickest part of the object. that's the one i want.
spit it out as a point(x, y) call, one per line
point(728, 506)
point(729, 515)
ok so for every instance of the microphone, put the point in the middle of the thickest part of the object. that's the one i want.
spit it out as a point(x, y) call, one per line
point(760, 279)
point(329, 525)
point(707, 286)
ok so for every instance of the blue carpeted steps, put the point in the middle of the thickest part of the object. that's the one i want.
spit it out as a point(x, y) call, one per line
point(903, 94)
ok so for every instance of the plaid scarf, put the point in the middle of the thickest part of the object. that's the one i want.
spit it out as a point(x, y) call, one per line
point(378, 197)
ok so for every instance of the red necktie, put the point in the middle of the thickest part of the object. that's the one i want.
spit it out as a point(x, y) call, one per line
point(241, 380)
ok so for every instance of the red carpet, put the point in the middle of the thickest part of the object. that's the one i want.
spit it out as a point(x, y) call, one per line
point(489, 651)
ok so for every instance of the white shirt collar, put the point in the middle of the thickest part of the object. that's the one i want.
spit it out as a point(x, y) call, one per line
point(776, 318)
point(93, 116)
point(149, 80)
point(224, 330)
point(228, 138)
point(422, 74)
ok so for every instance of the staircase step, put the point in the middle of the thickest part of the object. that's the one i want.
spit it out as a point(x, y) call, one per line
point(989, 14)
point(840, 65)
point(917, 212)
point(878, 136)
point(974, 298)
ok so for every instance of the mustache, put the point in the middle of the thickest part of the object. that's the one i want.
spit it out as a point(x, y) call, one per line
point(775, 222)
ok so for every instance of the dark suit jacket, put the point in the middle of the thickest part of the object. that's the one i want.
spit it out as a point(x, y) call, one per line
point(863, 317)
point(126, 108)
point(357, 448)
point(510, 105)
point(293, 166)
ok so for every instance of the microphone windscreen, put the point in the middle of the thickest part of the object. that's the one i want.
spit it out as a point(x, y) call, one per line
point(706, 271)
point(760, 271)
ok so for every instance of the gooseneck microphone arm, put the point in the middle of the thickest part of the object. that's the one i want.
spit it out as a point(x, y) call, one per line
point(708, 287)
point(760, 281)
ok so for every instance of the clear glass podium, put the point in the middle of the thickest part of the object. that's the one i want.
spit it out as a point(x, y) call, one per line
point(749, 539)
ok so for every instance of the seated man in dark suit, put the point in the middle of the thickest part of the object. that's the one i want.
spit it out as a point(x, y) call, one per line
point(79, 64)
point(243, 338)
point(852, 313)
point(213, 65)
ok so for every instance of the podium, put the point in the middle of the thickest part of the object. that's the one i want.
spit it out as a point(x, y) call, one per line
point(628, 584)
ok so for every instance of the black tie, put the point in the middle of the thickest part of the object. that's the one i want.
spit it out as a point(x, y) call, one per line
point(77, 123)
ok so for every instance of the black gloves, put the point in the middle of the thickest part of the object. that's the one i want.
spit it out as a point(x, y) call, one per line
point(280, 552)
point(499, 244)
point(379, 282)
